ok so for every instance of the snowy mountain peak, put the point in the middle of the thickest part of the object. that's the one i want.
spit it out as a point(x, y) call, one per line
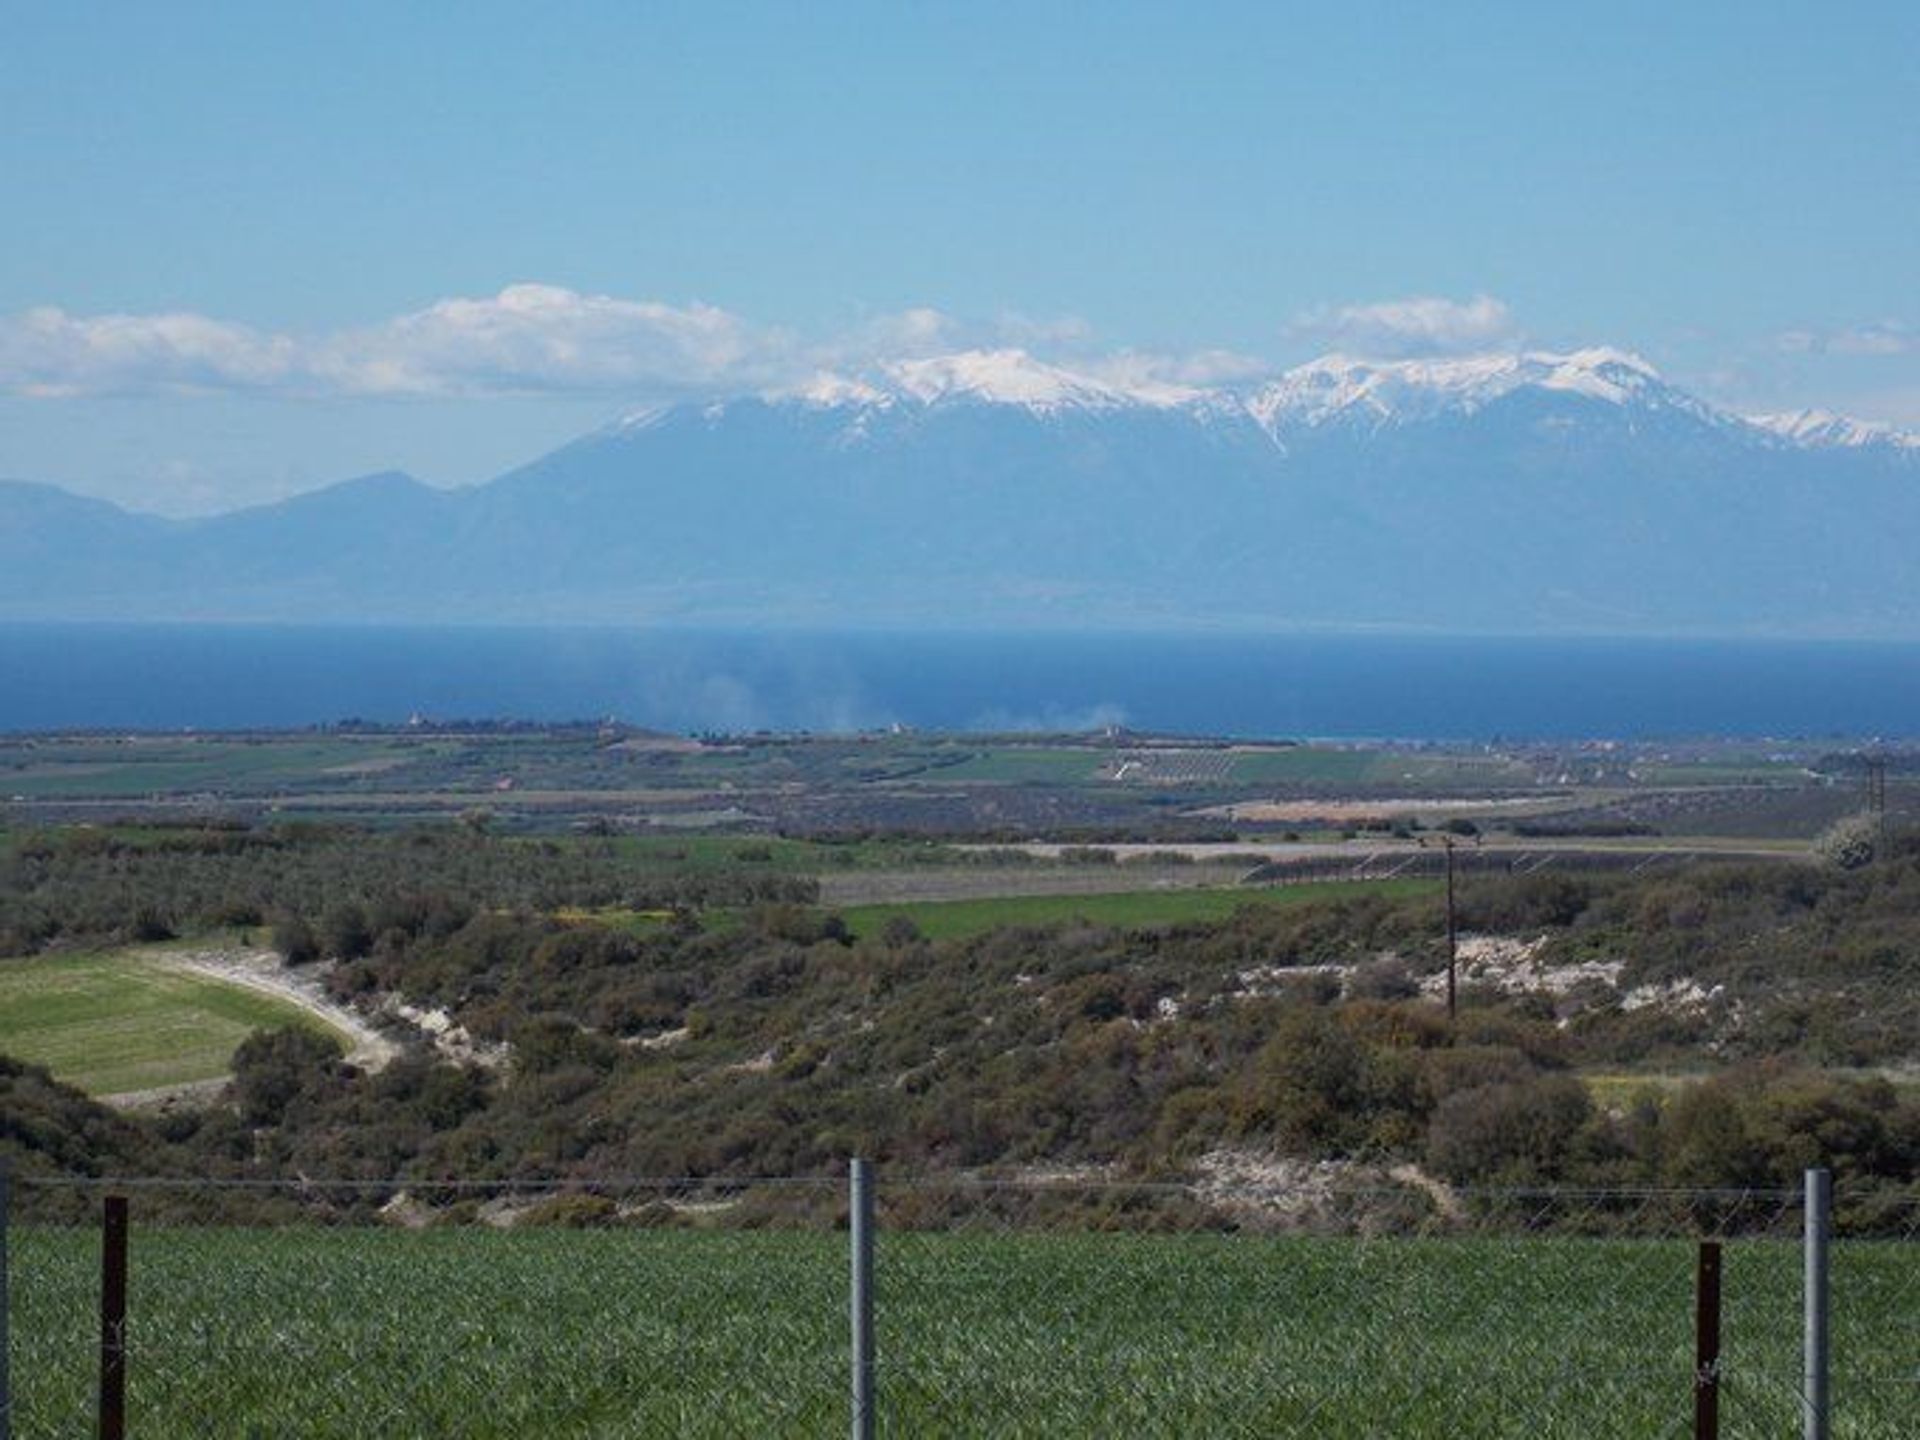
point(1823, 428)
point(992, 377)
point(1344, 390)
point(1006, 377)
point(828, 391)
point(1378, 392)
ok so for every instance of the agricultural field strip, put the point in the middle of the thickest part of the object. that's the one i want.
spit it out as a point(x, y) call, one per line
point(925, 884)
point(473, 763)
point(955, 919)
point(1361, 849)
point(439, 797)
point(1352, 805)
point(710, 1333)
point(132, 1023)
point(561, 780)
point(136, 768)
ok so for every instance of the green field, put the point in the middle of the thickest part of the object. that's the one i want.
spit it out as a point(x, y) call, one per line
point(947, 919)
point(154, 765)
point(475, 1333)
point(119, 1022)
point(1320, 766)
point(775, 852)
point(1377, 769)
point(1027, 765)
point(555, 780)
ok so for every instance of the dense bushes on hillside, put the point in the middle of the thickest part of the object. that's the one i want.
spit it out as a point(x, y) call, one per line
point(743, 1052)
point(47, 1128)
point(768, 1039)
point(1820, 964)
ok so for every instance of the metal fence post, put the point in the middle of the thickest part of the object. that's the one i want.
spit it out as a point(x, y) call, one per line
point(1819, 1224)
point(6, 1341)
point(1706, 1343)
point(860, 1233)
point(113, 1318)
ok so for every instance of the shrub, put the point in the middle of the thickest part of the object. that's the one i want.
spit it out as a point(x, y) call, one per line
point(344, 933)
point(293, 937)
point(271, 1067)
point(1511, 1132)
point(150, 923)
point(576, 1212)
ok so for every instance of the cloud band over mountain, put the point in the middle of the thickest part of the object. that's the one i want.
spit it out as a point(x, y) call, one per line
point(535, 339)
point(527, 339)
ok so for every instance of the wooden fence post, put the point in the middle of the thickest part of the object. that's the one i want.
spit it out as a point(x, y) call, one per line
point(113, 1319)
point(1706, 1342)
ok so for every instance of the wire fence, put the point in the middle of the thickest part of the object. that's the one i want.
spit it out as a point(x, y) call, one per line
point(1290, 1304)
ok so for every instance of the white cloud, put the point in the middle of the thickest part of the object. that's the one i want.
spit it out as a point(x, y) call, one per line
point(1203, 369)
point(1416, 326)
point(47, 352)
point(526, 339)
point(923, 332)
point(1031, 332)
point(529, 339)
point(543, 338)
point(897, 335)
point(1876, 337)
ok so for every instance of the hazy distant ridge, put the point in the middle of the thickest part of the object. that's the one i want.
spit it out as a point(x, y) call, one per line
point(1573, 491)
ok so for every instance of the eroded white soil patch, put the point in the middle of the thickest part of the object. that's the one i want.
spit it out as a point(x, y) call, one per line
point(450, 1039)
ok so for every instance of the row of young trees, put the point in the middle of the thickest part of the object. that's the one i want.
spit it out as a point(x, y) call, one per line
point(328, 884)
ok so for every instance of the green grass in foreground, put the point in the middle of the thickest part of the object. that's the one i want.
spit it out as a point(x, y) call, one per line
point(475, 1333)
point(123, 1021)
point(949, 919)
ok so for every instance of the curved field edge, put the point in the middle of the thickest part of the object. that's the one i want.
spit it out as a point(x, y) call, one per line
point(120, 1022)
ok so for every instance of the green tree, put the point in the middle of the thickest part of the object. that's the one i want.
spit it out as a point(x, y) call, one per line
point(271, 1067)
point(293, 937)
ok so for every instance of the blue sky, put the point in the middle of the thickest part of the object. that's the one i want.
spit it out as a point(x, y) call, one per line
point(251, 248)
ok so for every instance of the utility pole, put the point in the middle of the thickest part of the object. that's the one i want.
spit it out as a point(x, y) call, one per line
point(860, 1233)
point(1453, 936)
point(1877, 802)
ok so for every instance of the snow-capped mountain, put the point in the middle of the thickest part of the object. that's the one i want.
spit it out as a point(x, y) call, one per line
point(1338, 388)
point(1334, 389)
point(1815, 428)
point(1013, 377)
point(1535, 491)
point(993, 377)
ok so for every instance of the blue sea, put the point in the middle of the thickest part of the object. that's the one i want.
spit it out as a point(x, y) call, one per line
point(1291, 685)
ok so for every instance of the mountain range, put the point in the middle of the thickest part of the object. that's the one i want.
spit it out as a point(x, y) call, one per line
point(1575, 492)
